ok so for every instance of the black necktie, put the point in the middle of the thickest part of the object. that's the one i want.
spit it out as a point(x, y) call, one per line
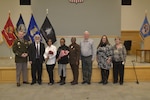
point(37, 51)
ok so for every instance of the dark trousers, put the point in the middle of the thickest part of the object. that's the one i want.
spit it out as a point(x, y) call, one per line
point(75, 71)
point(118, 70)
point(86, 68)
point(36, 68)
point(104, 75)
point(50, 69)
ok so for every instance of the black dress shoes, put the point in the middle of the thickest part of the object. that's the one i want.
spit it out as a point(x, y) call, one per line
point(74, 83)
point(18, 84)
point(39, 83)
point(25, 82)
point(100, 82)
point(62, 83)
point(33, 83)
point(115, 82)
point(121, 83)
point(88, 83)
point(83, 82)
point(50, 83)
point(105, 82)
point(59, 81)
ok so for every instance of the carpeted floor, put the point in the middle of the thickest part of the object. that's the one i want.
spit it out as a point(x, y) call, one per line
point(95, 91)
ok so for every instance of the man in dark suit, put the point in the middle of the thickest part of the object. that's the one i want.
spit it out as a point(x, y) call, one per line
point(74, 57)
point(36, 59)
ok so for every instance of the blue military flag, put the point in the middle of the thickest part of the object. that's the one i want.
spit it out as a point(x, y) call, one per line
point(20, 26)
point(47, 31)
point(32, 29)
point(145, 28)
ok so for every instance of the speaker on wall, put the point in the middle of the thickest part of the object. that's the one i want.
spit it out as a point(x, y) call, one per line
point(25, 2)
point(126, 2)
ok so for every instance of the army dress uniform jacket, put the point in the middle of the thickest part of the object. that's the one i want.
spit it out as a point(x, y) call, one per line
point(74, 55)
point(20, 47)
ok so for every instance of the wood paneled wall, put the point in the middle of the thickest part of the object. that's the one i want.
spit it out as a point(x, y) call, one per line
point(134, 36)
point(8, 75)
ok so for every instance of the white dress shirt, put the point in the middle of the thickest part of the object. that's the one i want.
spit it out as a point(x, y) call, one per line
point(37, 45)
point(52, 57)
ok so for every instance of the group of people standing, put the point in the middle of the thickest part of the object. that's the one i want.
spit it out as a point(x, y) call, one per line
point(107, 54)
point(72, 54)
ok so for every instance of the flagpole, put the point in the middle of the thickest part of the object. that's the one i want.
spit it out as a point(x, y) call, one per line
point(9, 13)
point(46, 12)
point(142, 42)
point(10, 48)
point(10, 54)
point(31, 12)
point(146, 13)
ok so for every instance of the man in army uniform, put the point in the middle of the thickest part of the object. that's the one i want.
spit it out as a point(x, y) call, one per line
point(20, 49)
point(74, 57)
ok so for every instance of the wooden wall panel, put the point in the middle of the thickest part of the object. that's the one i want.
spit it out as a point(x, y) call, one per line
point(134, 36)
point(147, 47)
point(147, 43)
point(9, 75)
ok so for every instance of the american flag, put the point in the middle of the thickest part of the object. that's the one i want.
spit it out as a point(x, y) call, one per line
point(76, 1)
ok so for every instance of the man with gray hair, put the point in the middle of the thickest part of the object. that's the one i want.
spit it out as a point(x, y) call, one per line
point(87, 57)
point(20, 49)
point(36, 59)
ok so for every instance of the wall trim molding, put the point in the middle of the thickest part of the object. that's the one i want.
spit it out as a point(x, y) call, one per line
point(81, 36)
point(130, 31)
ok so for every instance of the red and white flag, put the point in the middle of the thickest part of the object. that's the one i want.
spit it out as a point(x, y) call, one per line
point(9, 32)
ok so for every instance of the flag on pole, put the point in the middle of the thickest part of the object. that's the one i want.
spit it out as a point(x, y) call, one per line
point(9, 32)
point(145, 28)
point(20, 26)
point(1, 38)
point(33, 28)
point(47, 31)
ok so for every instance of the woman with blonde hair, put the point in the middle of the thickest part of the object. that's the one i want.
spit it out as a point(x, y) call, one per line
point(118, 59)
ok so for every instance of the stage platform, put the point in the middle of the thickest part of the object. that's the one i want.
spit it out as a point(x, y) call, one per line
point(8, 71)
